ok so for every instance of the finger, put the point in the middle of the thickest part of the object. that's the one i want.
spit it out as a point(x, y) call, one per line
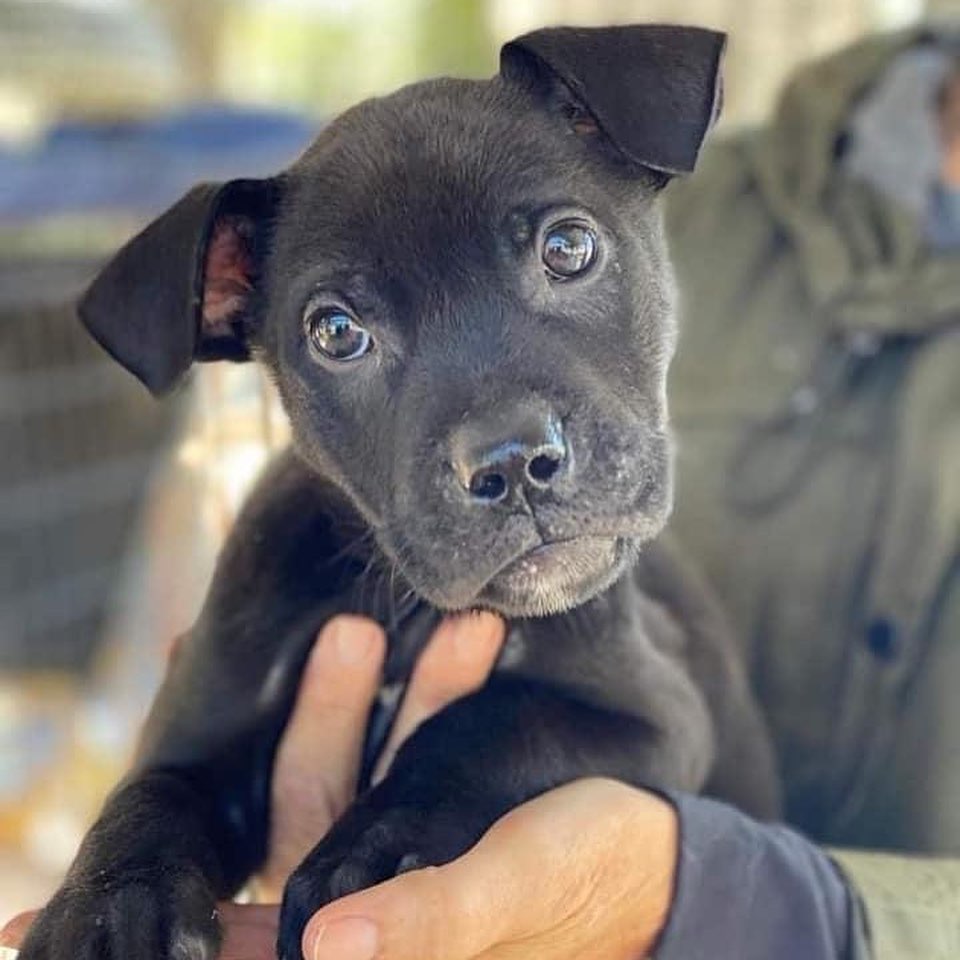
point(457, 660)
point(325, 736)
point(249, 931)
point(248, 914)
point(15, 931)
point(318, 761)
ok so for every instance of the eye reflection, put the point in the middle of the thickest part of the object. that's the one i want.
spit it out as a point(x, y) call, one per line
point(335, 334)
point(569, 249)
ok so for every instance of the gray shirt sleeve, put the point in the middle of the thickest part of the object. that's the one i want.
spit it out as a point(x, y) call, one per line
point(751, 891)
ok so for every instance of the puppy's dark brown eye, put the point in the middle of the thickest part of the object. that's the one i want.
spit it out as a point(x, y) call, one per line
point(335, 334)
point(569, 249)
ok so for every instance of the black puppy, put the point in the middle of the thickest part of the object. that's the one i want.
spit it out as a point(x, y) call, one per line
point(462, 292)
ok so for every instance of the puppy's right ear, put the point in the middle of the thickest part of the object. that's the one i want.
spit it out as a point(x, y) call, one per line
point(185, 288)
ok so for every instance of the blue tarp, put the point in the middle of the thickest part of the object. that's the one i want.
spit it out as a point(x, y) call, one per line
point(142, 166)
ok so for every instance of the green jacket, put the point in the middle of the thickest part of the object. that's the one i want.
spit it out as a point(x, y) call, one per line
point(816, 398)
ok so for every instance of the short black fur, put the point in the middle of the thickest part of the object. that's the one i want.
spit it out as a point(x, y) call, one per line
point(423, 216)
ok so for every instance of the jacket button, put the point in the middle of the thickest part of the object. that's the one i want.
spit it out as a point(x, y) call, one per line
point(883, 640)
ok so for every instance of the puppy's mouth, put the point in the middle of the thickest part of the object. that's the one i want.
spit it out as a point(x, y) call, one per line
point(556, 575)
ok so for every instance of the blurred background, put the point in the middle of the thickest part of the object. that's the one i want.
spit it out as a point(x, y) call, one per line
point(112, 506)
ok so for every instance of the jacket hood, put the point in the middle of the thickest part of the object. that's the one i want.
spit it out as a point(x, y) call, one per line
point(864, 258)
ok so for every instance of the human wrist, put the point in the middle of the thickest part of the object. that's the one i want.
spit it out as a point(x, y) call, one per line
point(651, 838)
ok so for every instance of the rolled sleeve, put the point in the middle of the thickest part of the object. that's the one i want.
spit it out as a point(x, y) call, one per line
point(751, 891)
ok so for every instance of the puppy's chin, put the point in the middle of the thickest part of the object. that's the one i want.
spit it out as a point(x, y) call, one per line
point(536, 578)
point(557, 576)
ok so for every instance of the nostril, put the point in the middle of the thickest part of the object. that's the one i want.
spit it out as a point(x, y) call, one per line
point(543, 467)
point(488, 485)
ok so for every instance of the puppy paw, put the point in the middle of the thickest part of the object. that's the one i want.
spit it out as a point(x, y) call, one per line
point(166, 914)
point(365, 848)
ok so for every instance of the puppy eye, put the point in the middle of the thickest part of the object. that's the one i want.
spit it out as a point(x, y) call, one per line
point(335, 333)
point(569, 249)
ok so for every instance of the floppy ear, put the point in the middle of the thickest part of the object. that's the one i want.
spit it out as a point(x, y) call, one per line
point(652, 91)
point(184, 288)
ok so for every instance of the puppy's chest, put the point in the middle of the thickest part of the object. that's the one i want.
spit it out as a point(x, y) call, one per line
point(619, 651)
point(407, 640)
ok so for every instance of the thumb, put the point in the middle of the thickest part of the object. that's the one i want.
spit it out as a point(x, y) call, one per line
point(586, 869)
point(454, 912)
point(522, 882)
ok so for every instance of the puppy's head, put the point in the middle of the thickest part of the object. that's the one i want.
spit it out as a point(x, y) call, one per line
point(463, 294)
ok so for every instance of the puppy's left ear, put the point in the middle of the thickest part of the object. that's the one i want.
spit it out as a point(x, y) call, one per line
point(652, 91)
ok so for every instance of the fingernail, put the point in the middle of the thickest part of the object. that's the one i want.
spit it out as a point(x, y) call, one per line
point(352, 638)
point(353, 938)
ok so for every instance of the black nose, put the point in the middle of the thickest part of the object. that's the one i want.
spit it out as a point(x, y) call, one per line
point(504, 455)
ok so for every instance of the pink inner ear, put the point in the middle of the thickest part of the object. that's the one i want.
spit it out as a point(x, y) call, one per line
point(582, 122)
point(228, 273)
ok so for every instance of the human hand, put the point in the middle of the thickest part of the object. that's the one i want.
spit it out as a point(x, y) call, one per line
point(586, 870)
point(329, 720)
point(338, 689)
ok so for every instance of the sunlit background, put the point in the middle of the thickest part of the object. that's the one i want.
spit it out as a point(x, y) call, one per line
point(112, 506)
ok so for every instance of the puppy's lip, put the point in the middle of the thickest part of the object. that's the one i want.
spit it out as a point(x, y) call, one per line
point(546, 557)
point(554, 576)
